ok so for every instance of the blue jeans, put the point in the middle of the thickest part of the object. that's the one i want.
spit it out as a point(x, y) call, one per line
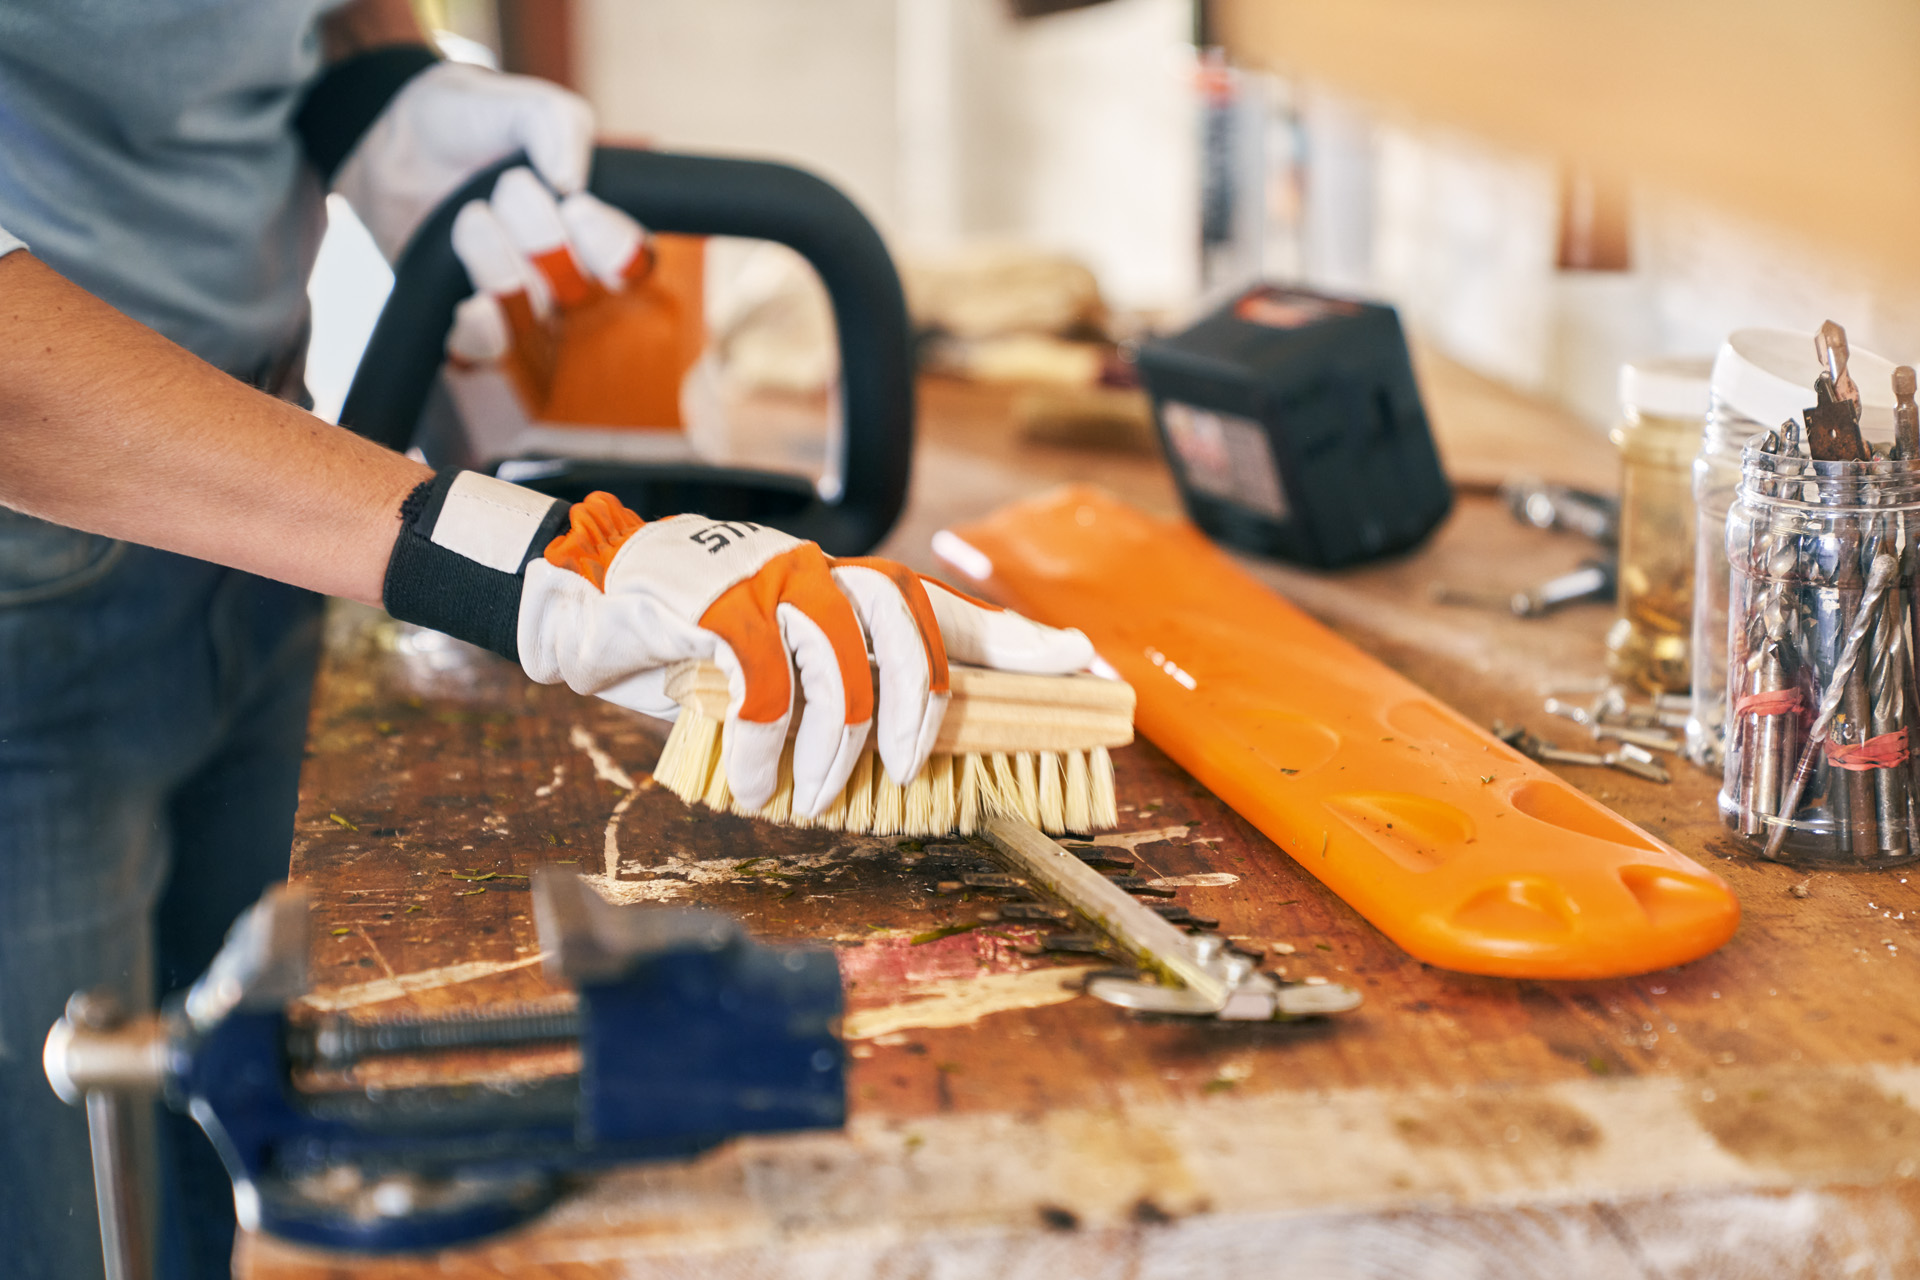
point(152, 718)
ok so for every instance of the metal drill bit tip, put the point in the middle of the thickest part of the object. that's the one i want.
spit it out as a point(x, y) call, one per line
point(1830, 344)
point(1906, 415)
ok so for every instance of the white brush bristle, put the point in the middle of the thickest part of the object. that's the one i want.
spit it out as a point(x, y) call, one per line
point(1105, 809)
point(1078, 803)
point(1059, 792)
point(967, 791)
point(859, 815)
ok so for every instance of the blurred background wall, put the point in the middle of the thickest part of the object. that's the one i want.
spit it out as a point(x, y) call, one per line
point(1105, 134)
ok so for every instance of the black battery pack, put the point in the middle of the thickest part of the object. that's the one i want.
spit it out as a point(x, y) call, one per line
point(1294, 428)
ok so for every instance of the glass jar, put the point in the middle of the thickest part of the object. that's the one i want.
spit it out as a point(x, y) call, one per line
point(1820, 659)
point(1761, 378)
point(1662, 404)
point(1716, 478)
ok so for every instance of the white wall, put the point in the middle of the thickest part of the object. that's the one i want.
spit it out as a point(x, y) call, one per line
point(946, 119)
point(1462, 237)
point(810, 81)
point(1079, 132)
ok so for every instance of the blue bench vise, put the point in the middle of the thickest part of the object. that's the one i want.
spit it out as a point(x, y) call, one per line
point(688, 1032)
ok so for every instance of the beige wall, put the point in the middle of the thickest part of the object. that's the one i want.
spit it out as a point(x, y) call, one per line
point(946, 119)
point(811, 81)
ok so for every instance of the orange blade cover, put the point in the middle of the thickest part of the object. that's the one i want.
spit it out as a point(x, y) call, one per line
point(1464, 852)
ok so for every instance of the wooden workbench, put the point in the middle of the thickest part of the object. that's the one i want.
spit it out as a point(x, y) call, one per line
point(1744, 1115)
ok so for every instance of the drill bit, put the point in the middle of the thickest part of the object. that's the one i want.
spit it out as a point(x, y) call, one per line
point(1888, 683)
point(1833, 425)
point(1856, 708)
point(1906, 416)
point(1878, 578)
point(1766, 736)
point(1830, 344)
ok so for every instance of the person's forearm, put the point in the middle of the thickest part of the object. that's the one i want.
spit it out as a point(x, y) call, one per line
point(368, 24)
point(108, 427)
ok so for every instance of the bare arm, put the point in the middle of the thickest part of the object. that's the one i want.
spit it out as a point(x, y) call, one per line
point(368, 24)
point(108, 427)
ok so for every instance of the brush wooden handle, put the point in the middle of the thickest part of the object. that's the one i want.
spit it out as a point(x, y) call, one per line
point(991, 710)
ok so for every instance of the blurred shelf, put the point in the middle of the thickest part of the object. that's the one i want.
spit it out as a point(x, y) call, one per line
point(1802, 116)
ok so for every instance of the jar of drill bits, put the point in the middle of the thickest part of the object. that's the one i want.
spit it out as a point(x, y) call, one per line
point(1820, 672)
point(1761, 378)
point(1663, 405)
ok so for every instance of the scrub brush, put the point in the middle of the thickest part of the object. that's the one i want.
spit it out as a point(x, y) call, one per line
point(1028, 746)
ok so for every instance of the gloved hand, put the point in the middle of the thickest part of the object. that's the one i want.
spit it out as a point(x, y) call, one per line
point(448, 123)
point(566, 305)
point(615, 601)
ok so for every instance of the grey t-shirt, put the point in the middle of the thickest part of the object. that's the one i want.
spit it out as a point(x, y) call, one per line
point(147, 154)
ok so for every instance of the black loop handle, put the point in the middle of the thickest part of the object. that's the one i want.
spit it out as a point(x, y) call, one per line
point(695, 195)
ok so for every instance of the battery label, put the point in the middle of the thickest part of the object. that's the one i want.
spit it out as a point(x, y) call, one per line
point(1225, 456)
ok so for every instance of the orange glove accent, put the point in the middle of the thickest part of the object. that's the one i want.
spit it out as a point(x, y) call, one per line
point(596, 325)
point(744, 616)
point(600, 527)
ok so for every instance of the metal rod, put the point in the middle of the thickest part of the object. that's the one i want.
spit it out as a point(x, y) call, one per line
point(1882, 573)
point(1137, 928)
point(341, 1042)
point(116, 1186)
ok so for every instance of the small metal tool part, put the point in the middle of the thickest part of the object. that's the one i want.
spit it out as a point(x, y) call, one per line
point(1141, 886)
point(1554, 755)
point(1833, 424)
point(1652, 739)
point(1906, 415)
point(1593, 580)
point(993, 880)
point(1830, 344)
point(1199, 976)
point(1569, 711)
point(1099, 858)
point(1515, 736)
point(1173, 913)
point(1639, 762)
point(1553, 506)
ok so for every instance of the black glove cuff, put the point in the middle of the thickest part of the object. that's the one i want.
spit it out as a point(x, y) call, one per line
point(349, 96)
point(458, 564)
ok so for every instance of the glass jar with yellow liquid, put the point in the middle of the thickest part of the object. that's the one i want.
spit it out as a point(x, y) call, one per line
point(1663, 404)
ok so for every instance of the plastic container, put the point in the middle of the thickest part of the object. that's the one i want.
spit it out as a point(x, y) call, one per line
point(1820, 659)
point(1761, 377)
point(1464, 852)
point(1663, 405)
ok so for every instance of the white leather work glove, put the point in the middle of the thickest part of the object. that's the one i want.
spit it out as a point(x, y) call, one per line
point(564, 302)
point(616, 601)
point(448, 123)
